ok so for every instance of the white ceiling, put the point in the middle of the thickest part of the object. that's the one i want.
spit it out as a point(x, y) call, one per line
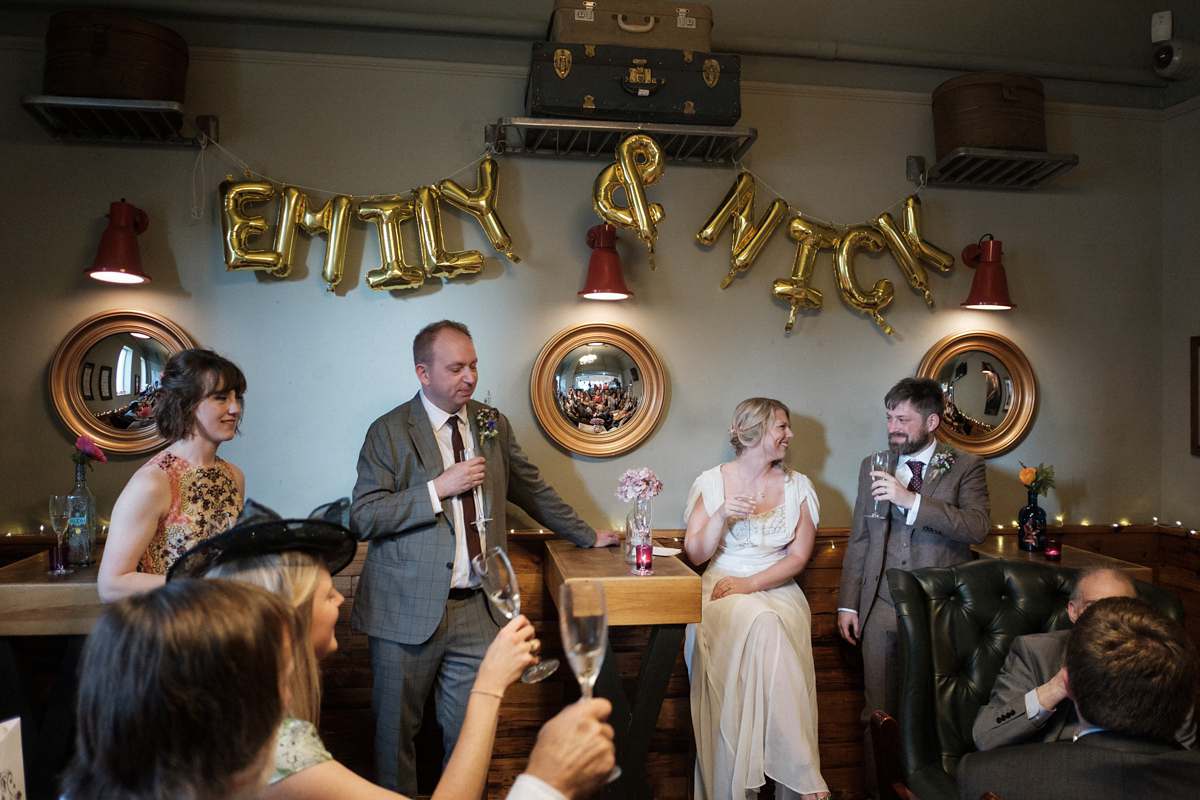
point(1085, 50)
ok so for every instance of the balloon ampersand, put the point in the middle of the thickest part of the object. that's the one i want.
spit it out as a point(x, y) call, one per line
point(639, 164)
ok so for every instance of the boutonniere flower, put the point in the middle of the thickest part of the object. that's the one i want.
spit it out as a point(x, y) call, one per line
point(485, 420)
point(941, 462)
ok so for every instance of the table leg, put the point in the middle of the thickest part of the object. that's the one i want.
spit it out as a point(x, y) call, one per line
point(634, 723)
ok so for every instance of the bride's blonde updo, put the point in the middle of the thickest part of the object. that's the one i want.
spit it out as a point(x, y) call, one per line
point(751, 419)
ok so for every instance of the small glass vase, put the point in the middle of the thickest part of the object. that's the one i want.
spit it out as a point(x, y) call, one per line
point(81, 523)
point(640, 517)
point(641, 537)
point(1032, 522)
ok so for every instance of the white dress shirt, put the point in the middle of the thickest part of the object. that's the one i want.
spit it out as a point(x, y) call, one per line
point(904, 474)
point(460, 577)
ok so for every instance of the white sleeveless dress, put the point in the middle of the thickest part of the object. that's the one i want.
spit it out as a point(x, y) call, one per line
point(753, 692)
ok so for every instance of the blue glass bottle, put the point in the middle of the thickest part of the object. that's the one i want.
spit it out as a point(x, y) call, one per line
point(1032, 521)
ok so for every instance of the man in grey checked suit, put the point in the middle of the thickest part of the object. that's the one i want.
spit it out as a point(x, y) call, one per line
point(418, 599)
point(937, 508)
point(1029, 701)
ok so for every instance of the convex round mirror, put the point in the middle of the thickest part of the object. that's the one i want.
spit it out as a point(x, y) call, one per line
point(105, 375)
point(990, 391)
point(597, 389)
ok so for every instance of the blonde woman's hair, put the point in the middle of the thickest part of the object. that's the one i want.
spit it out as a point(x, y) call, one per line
point(294, 576)
point(751, 419)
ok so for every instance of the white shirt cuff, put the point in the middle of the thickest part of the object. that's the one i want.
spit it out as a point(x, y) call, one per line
point(1033, 709)
point(851, 610)
point(911, 518)
point(528, 787)
point(434, 499)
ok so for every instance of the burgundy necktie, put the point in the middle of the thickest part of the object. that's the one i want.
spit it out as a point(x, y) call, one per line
point(914, 485)
point(467, 497)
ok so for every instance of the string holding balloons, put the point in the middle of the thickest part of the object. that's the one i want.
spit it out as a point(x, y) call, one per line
point(905, 242)
point(239, 226)
point(639, 163)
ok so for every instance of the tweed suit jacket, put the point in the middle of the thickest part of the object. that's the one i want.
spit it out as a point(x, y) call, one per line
point(405, 581)
point(1034, 659)
point(954, 514)
point(1105, 765)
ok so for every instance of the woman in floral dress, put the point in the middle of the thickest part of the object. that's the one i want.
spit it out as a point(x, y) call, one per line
point(185, 493)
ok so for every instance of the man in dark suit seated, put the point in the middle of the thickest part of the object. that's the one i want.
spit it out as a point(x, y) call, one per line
point(1131, 672)
point(1029, 699)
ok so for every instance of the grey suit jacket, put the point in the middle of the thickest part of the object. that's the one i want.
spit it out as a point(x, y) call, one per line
point(1033, 660)
point(1106, 765)
point(406, 576)
point(954, 514)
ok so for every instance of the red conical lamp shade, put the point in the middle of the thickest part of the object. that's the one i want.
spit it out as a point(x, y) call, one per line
point(604, 278)
point(989, 290)
point(117, 258)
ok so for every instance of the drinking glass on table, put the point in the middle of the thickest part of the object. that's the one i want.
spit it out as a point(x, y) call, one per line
point(583, 623)
point(500, 582)
point(883, 461)
point(59, 515)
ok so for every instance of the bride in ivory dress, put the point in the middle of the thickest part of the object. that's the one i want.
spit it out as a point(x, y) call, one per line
point(753, 692)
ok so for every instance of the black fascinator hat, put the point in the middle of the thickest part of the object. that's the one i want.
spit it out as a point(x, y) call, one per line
point(260, 531)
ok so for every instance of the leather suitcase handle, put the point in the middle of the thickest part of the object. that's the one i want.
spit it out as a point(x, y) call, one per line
point(629, 27)
point(641, 89)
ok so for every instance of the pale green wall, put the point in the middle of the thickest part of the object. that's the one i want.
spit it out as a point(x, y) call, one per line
point(1084, 257)
point(1180, 310)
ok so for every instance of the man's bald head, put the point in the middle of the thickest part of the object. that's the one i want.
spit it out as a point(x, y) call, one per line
point(1096, 584)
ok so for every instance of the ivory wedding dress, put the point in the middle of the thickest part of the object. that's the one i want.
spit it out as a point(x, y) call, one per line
point(753, 692)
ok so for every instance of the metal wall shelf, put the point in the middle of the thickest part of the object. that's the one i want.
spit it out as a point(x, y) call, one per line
point(699, 144)
point(984, 168)
point(92, 119)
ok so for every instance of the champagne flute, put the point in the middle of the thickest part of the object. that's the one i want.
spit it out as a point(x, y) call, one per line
point(500, 582)
point(59, 516)
point(583, 623)
point(883, 461)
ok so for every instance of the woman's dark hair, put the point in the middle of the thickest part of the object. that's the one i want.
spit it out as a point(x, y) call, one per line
point(179, 692)
point(189, 377)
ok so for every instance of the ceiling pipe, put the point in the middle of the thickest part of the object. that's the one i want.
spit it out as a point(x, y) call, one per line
point(234, 11)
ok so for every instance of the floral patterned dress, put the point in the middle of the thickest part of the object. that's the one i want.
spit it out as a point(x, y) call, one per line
point(200, 497)
point(298, 746)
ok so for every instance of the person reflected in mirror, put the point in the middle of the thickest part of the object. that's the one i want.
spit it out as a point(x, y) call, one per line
point(1029, 699)
point(753, 695)
point(186, 492)
point(938, 507)
point(181, 691)
point(1130, 672)
point(430, 470)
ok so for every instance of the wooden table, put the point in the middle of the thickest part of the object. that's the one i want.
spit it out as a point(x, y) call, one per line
point(665, 601)
point(1005, 546)
point(34, 603)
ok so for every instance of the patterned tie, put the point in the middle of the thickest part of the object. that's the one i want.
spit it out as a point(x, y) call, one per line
point(914, 485)
point(467, 497)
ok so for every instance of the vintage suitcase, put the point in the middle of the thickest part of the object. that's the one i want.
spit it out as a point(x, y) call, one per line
point(633, 84)
point(633, 23)
point(102, 54)
point(989, 109)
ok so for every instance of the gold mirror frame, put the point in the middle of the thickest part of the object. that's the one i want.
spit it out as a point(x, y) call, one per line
point(608, 443)
point(67, 364)
point(1018, 420)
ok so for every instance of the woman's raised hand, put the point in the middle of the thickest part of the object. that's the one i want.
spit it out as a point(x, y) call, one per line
point(510, 654)
point(739, 505)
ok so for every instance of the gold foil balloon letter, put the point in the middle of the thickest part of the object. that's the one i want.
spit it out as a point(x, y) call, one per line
point(330, 219)
point(481, 204)
point(811, 237)
point(639, 164)
point(871, 304)
point(748, 237)
point(238, 226)
point(909, 249)
point(438, 261)
point(387, 214)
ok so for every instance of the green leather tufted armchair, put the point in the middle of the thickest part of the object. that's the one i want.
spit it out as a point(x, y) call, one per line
point(955, 625)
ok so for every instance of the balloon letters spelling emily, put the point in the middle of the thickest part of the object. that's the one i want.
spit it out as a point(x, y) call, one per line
point(333, 219)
